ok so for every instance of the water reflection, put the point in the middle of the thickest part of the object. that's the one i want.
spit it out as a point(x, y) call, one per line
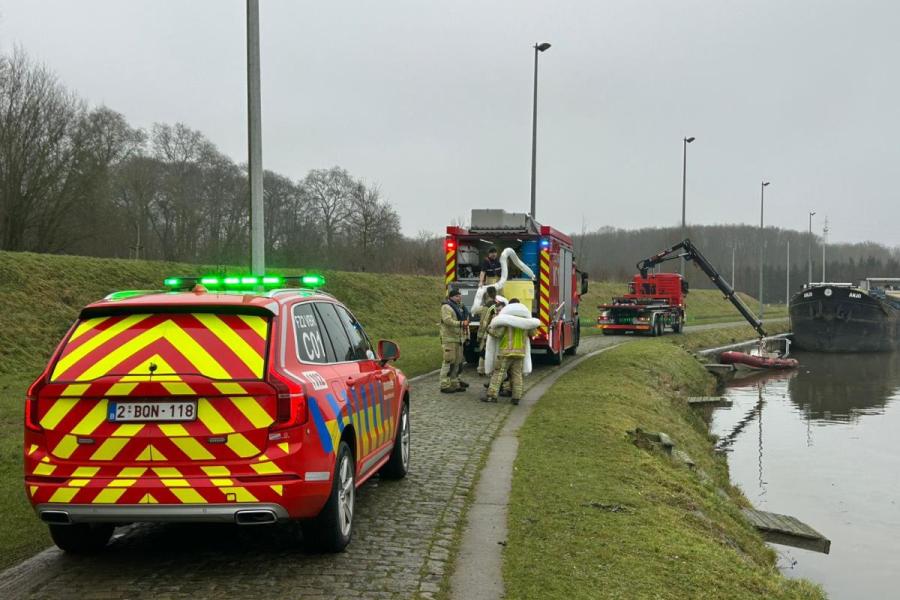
point(819, 443)
point(839, 387)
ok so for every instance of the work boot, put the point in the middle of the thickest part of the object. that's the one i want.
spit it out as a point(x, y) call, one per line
point(505, 393)
point(450, 390)
point(485, 397)
point(462, 384)
point(515, 401)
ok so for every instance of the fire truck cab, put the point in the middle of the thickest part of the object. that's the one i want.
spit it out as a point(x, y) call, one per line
point(554, 295)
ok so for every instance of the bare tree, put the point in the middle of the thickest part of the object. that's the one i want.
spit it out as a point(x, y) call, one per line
point(38, 155)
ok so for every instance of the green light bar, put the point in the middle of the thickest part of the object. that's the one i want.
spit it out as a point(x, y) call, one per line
point(271, 280)
point(249, 280)
point(232, 280)
point(313, 281)
point(172, 282)
point(209, 280)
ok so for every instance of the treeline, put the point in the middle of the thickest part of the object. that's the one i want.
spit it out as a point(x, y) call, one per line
point(82, 180)
point(612, 254)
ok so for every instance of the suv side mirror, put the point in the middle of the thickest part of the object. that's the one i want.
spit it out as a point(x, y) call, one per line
point(685, 288)
point(584, 283)
point(388, 350)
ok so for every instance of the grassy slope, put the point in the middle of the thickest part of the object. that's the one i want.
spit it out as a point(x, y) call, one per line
point(593, 516)
point(703, 306)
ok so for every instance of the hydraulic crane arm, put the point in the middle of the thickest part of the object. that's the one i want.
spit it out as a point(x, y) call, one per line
point(690, 252)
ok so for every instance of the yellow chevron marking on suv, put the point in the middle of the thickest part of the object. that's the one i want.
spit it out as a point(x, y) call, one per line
point(75, 389)
point(66, 446)
point(251, 409)
point(257, 324)
point(179, 388)
point(32, 448)
point(64, 494)
point(58, 412)
point(235, 343)
point(188, 496)
point(92, 420)
point(109, 448)
point(86, 326)
point(266, 468)
point(214, 471)
point(241, 445)
point(66, 362)
point(230, 389)
point(108, 496)
point(85, 471)
point(175, 335)
point(121, 389)
point(132, 472)
point(211, 418)
point(179, 436)
point(44, 469)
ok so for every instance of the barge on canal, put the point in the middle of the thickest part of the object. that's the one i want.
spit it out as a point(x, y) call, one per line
point(842, 317)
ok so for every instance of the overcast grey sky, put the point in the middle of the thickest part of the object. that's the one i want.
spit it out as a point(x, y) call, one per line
point(432, 100)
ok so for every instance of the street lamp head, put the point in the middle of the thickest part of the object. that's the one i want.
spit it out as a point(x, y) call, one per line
point(542, 46)
point(765, 183)
point(812, 213)
point(689, 139)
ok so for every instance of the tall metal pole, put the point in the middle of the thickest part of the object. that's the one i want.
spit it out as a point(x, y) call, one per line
point(809, 246)
point(534, 134)
point(824, 243)
point(762, 240)
point(254, 129)
point(787, 285)
point(733, 285)
point(537, 48)
point(685, 142)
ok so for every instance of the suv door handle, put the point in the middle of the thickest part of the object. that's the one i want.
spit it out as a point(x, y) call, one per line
point(352, 381)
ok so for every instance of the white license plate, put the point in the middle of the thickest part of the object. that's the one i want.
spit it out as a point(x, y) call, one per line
point(152, 411)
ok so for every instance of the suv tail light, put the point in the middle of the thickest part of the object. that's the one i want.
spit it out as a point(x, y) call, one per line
point(290, 402)
point(31, 404)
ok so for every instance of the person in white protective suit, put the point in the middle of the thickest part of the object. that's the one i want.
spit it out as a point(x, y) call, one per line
point(509, 349)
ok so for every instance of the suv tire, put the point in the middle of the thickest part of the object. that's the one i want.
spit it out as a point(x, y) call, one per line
point(332, 529)
point(398, 464)
point(82, 538)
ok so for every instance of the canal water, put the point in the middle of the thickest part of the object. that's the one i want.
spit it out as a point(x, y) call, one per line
point(822, 443)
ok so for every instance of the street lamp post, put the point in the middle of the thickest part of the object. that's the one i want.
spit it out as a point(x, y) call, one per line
point(254, 143)
point(762, 239)
point(809, 246)
point(685, 142)
point(537, 48)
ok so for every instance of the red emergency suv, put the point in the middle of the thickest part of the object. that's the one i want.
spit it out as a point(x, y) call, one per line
point(225, 399)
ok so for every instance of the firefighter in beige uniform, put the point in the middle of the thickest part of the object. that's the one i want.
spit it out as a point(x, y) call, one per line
point(511, 355)
point(454, 329)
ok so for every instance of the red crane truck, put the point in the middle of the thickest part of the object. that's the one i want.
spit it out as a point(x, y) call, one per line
point(656, 300)
point(554, 295)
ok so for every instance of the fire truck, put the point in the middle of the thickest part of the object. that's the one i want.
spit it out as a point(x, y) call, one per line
point(655, 301)
point(553, 296)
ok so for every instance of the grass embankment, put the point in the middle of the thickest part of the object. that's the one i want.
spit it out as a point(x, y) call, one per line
point(703, 306)
point(594, 516)
point(40, 296)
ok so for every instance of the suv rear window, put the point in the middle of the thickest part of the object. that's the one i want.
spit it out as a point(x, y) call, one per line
point(218, 346)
